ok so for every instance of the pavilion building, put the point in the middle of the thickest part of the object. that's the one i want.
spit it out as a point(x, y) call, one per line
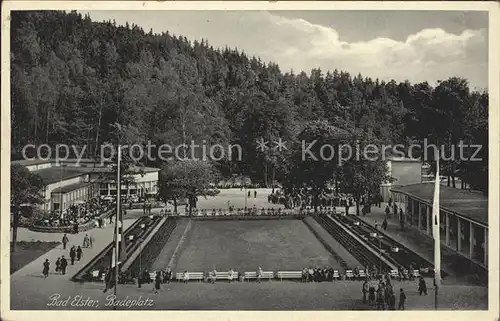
point(463, 217)
point(71, 182)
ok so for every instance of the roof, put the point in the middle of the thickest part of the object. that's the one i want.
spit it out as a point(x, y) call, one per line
point(56, 174)
point(110, 169)
point(403, 159)
point(70, 188)
point(468, 204)
point(28, 162)
point(31, 162)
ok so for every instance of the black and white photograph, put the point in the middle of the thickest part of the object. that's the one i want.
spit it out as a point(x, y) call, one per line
point(249, 157)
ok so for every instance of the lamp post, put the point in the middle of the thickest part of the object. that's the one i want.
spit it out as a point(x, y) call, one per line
point(246, 193)
point(143, 226)
point(380, 252)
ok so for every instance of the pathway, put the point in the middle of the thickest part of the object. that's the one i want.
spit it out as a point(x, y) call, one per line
point(28, 282)
point(420, 243)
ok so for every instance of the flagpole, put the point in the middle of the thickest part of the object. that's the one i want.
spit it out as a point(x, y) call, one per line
point(117, 220)
point(436, 234)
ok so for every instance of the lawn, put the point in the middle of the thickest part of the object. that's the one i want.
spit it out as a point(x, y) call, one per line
point(27, 252)
point(245, 245)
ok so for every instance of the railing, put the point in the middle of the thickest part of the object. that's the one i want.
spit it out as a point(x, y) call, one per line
point(402, 257)
point(102, 260)
point(145, 256)
point(358, 250)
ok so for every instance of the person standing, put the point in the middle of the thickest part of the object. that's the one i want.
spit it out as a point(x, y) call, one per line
point(91, 241)
point(157, 282)
point(79, 253)
point(384, 224)
point(371, 295)
point(72, 255)
point(168, 274)
point(259, 274)
point(254, 194)
point(390, 201)
point(380, 299)
point(402, 299)
point(65, 241)
point(64, 264)
point(58, 264)
point(366, 288)
point(422, 286)
point(185, 276)
point(45, 270)
point(387, 210)
point(86, 241)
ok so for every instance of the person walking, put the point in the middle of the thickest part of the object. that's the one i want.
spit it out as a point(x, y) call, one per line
point(387, 211)
point(65, 241)
point(91, 241)
point(64, 264)
point(79, 253)
point(422, 286)
point(72, 255)
point(254, 194)
point(402, 299)
point(366, 288)
point(45, 270)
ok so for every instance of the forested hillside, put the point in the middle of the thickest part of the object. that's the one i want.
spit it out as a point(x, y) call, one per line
point(72, 77)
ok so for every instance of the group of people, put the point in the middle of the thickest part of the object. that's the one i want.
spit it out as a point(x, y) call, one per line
point(146, 208)
point(75, 254)
point(76, 214)
point(317, 274)
point(383, 296)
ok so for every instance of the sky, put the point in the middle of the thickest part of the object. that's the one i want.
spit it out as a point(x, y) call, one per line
point(400, 45)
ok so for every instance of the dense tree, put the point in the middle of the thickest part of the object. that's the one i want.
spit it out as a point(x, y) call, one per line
point(26, 190)
point(72, 77)
point(187, 179)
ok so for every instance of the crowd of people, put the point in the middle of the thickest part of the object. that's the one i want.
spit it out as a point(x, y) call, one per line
point(76, 214)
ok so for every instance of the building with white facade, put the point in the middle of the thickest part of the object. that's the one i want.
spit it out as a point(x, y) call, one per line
point(71, 181)
point(404, 171)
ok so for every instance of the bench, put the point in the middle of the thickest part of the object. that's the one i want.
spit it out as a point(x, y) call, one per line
point(253, 275)
point(225, 276)
point(289, 275)
point(198, 276)
point(362, 274)
point(349, 275)
point(415, 273)
point(336, 274)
